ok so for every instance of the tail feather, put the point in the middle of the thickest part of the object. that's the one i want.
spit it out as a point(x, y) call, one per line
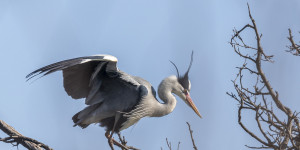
point(76, 121)
point(83, 118)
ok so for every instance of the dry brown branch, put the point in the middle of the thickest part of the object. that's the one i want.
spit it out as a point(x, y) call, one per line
point(192, 138)
point(273, 132)
point(15, 138)
point(293, 48)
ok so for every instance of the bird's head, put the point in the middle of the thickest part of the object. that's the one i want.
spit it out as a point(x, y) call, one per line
point(183, 86)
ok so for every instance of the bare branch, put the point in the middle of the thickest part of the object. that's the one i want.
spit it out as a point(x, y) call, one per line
point(273, 132)
point(192, 138)
point(293, 48)
point(16, 138)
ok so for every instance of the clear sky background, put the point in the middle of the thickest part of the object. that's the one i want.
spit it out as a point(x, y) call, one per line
point(144, 36)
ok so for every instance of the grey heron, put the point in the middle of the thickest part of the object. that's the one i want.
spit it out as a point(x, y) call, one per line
point(114, 98)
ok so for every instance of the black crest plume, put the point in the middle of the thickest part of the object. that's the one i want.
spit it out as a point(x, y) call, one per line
point(184, 80)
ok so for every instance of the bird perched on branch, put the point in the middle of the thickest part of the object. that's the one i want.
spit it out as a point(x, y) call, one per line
point(114, 98)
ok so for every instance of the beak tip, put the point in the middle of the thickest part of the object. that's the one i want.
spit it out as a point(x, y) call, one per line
point(199, 115)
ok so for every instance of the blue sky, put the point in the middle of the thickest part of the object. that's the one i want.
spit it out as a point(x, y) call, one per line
point(144, 36)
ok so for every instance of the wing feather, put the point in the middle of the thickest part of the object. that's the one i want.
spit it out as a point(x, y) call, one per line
point(107, 89)
point(95, 78)
point(77, 73)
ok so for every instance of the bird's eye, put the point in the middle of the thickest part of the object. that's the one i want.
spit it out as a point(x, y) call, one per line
point(185, 91)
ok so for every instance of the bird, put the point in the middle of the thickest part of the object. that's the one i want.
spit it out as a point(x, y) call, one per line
point(116, 100)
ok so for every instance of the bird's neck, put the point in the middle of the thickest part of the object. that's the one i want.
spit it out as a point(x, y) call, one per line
point(165, 94)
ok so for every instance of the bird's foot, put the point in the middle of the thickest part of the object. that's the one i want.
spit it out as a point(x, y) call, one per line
point(112, 141)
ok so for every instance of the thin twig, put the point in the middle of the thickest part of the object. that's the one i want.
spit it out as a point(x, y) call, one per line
point(178, 145)
point(192, 138)
point(294, 48)
point(169, 144)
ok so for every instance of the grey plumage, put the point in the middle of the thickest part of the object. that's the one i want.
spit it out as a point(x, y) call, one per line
point(115, 99)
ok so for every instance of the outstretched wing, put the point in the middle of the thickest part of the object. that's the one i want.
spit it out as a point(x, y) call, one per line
point(95, 78)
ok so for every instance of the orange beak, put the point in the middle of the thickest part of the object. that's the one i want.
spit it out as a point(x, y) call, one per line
point(191, 103)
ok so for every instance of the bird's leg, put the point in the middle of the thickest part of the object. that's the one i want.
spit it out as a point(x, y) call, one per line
point(122, 140)
point(117, 117)
point(112, 141)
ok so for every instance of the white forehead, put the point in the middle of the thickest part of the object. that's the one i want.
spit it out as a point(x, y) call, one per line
point(190, 85)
